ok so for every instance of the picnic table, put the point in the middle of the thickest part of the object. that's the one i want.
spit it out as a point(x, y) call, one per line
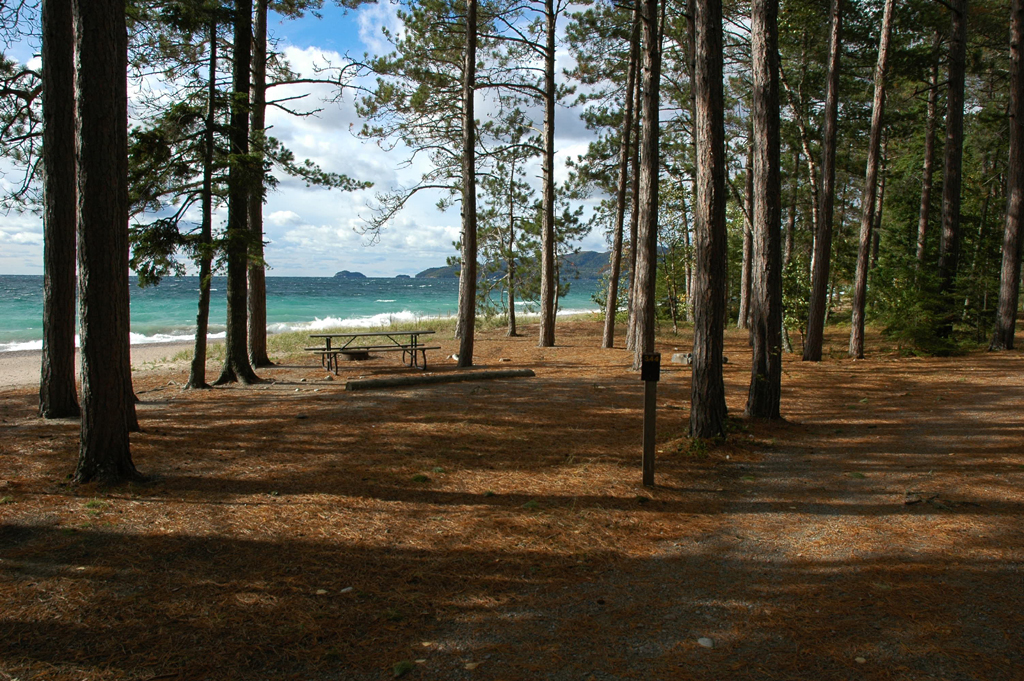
point(359, 345)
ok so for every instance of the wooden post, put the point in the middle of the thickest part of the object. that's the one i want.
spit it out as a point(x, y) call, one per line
point(650, 372)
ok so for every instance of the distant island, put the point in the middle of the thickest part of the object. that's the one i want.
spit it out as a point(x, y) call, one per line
point(587, 264)
point(402, 276)
point(345, 274)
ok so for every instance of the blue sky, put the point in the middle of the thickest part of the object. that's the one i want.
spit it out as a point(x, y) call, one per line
point(315, 232)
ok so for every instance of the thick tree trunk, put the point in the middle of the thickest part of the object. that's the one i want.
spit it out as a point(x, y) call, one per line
point(257, 270)
point(949, 240)
point(58, 395)
point(240, 175)
point(650, 166)
point(101, 98)
point(823, 230)
point(612, 302)
point(197, 373)
point(929, 153)
point(764, 397)
point(867, 221)
point(1009, 281)
point(467, 276)
point(548, 280)
point(743, 318)
point(707, 397)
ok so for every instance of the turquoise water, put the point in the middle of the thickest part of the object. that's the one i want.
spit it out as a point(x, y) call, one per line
point(167, 312)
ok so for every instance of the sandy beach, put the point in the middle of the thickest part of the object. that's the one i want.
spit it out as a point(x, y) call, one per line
point(21, 368)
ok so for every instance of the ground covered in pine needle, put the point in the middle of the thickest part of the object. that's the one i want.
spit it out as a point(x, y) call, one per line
point(498, 529)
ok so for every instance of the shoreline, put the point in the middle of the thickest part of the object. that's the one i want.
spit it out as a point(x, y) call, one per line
point(21, 368)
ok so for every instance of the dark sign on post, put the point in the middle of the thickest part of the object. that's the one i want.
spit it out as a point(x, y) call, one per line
point(650, 372)
point(650, 367)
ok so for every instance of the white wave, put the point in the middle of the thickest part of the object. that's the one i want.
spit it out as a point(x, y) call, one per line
point(134, 339)
point(382, 319)
point(180, 337)
point(385, 301)
point(18, 346)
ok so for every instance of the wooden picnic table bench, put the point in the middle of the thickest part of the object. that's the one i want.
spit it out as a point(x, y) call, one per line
point(359, 344)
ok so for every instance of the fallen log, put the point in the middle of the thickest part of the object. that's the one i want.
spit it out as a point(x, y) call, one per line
point(402, 381)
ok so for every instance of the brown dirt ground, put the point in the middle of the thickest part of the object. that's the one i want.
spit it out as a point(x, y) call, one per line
point(874, 535)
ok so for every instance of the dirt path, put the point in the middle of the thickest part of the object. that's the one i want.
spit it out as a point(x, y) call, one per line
point(497, 530)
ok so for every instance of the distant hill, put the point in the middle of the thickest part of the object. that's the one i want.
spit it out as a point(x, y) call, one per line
point(345, 274)
point(589, 265)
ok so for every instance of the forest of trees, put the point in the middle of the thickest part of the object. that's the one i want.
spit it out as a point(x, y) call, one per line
point(777, 165)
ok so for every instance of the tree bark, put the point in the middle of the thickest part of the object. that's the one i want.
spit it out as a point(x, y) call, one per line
point(929, 154)
point(949, 240)
point(197, 373)
point(743, 318)
point(101, 100)
point(257, 301)
point(764, 397)
point(240, 178)
point(823, 230)
point(612, 302)
point(634, 220)
point(1009, 280)
point(58, 395)
point(548, 281)
point(467, 275)
point(707, 397)
point(650, 167)
point(867, 221)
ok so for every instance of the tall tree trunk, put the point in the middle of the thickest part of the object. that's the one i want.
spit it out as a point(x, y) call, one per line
point(650, 166)
point(787, 252)
point(257, 270)
point(58, 395)
point(688, 268)
point(743, 318)
point(634, 220)
point(764, 397)
point(876, 231)
point(795, 102)
point(1009, 280)
point(101, 99)
point(867, 221)
point(949, 240)
point(827, 195)
point(929, 152)
point(240, 174)
point(467, 276)
point(707, 397)
point(548, 281)
point(510, 259)
point(612, 302)
point(197, 373)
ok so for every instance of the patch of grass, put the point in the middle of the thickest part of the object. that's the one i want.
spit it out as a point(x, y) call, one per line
point(531, 505)
point(400, 669)
point(96, 504)
point(490, 493)
point(419, 477)
point(437, 469)
point(393, 615)
point(698, 449)
point(6, 500)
